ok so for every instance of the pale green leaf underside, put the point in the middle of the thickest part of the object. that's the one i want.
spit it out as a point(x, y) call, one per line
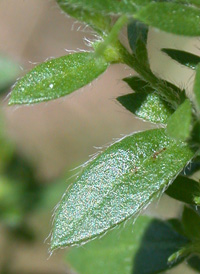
point(170, 17)
point(118, 184)
point(57, 77)
point(124, 250)
point(96, 20)
point(179, 124)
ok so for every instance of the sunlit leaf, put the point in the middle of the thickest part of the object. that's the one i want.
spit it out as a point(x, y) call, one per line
point(117, 185)
point(145, 103)
point(184, 58)
point(171, 17)
point(179, 123)
point(124, 250)
point(57, 77)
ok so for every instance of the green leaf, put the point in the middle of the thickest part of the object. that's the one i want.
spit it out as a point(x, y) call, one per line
point(176, 225)
point(184, 190)
point(184, 58)
point(145, 103)
point(194, 262)
point(136, 30)
point(179, 123)
point(171, 17)
point(189, 2)
point(125, 250)
point(191, 223)
point(197, 89)
point(118, 184)
point(111, 7)
point(96, 20)
point(8, 72)
point(57, 77)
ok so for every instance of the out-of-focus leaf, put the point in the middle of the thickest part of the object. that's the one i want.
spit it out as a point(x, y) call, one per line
point(189, 2)
point(194, 262)
point(171, 17)
point(125, 250)
point(179, 124)
point(177, 226)
point(8, 72)
point(184, 190)
point(57, 77)
point(191, 223)
point(136, 30)
point(197, 89)
point(117, 185)
point(96, 20)
point(184, 58)
point(145, 103)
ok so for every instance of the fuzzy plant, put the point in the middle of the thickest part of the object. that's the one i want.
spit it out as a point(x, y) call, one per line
point(115, 187)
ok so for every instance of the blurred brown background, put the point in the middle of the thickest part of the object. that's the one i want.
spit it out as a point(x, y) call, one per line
point(61, 134)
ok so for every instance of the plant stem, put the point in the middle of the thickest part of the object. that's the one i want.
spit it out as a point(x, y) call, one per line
point(113, 35)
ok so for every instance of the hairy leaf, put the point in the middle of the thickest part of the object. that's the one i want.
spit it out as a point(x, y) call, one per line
point(118, 184)
point(184, 58)
point(145, 103)
point(197, 88)
point(96, 20)
point(171, 17)
point(191, 223)
point(57, 77)
point(107, 6)
point(125, 250)
point(184, 190)
point(179, 123)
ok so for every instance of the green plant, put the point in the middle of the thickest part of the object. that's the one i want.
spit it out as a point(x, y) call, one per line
point(128, 175)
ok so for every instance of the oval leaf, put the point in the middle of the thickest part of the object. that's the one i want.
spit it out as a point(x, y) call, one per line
point(171, 17)
point(125, 250)
point(57, 77)
point(184, 58)
point(119, 183)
